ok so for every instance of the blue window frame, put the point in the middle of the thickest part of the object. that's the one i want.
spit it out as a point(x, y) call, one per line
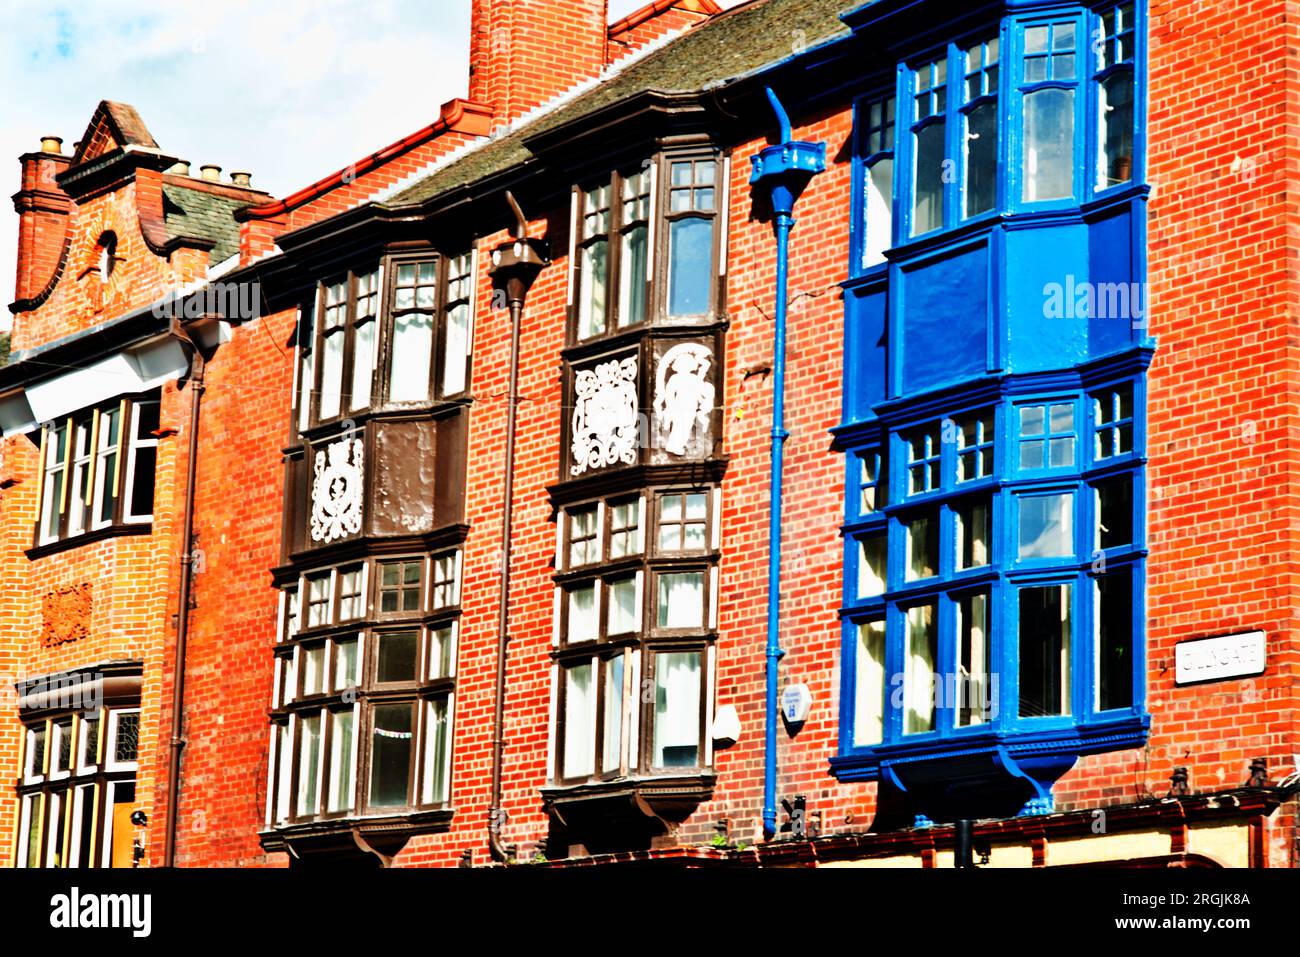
point(1114, 40)
point(980, 127)
point(931, 163)
point(876, 124)
point(1038, 112)
point(1047, 101)
point(1047, 436)
point(991, 606)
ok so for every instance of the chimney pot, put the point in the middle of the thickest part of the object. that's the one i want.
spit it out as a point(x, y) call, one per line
point(211, 173)
point(52, 144)
point(241, 178)
point(181, 168)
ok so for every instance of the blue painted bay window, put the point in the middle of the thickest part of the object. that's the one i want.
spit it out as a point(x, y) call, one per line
point(1033, 112)
point(993, 602)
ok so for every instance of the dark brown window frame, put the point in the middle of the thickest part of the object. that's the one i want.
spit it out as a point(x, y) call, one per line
point(312, 334)
point(647, 638)
point(658, 229)
point(365, 695)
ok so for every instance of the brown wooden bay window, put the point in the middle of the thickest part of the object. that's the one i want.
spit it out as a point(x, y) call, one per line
point(647, 245)
point(364, 691)
point(635, 626)
point(97, 470)
point(395, 333)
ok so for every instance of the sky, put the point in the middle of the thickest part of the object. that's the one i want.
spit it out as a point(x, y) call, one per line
point(290, 90)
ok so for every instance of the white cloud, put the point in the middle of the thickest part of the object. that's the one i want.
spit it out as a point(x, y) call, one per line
point(288, 89)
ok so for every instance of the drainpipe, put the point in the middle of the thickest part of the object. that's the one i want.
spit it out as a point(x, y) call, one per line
point(514, 267)
point(782, 171)
point(197, 368)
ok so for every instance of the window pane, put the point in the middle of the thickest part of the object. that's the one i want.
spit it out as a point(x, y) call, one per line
point(872, 552)
point(582, 613)
point(390, 755)
point(1115, 641)
point(345, 664)
point(341, 777)
point(142, 483)
point(89, 741)
point(455, 350)
point(411, 351)
point(973, 703)
point(624, 521)
point(582, 537)
point(690, 266)
point(1049, 145)
point(869, 691)
point(36, 751)
point(1047, 526)
point(308, 763)
point(981, 158)
point(879, 213)
point(681, 600)
point(612, 756)
point(1116, 154)
point(677, 710)
point(919, 679)
point(363, 358)
point(1045, 651)
point(622, 606)
point(593, 289)
point(1115, 513)
point(441, 642)
point(927, 209)
point(922, 547)
point(632, 277)
point(313, 676)
point(435, 752)
point(578, 690)
point(331, 375)
point(397, 652)
point(972, 535)
point(126, 739)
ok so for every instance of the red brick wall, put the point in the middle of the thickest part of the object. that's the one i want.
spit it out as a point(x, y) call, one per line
point(1222, 423)
point(516, 61)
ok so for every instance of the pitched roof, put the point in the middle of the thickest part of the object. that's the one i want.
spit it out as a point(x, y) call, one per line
point(732, 45)
point(199, 214)
point(112, 126)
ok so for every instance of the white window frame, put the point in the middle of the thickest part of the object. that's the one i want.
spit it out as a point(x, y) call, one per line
point(110, 742)
point(133, 445)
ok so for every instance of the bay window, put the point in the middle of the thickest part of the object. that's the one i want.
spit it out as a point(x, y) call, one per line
point(1037, 111)
point(1011, 563)
point(97, 473)
point(664, 212)
point(635, 610)
point(395, 333)
point(364, 692)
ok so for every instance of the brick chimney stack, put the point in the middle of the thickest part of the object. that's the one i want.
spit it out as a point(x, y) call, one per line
point(43, 209)
point(526, 52)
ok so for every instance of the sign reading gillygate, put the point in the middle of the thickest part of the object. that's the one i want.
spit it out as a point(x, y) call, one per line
point(1214, 659)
